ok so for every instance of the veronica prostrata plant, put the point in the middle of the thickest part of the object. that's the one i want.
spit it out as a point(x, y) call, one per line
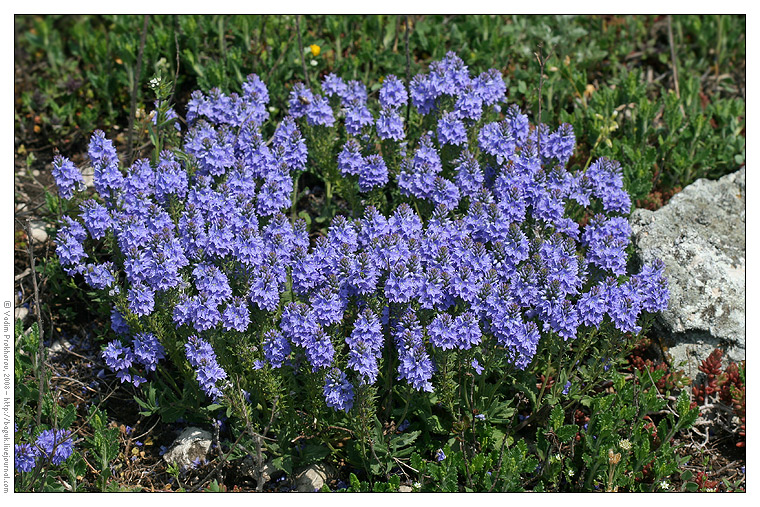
point(468, 256)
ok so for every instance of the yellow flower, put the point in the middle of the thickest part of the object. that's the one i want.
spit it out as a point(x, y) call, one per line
point(315, 49)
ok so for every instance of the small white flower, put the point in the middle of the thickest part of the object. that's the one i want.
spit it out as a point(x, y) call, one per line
point(625, 444)
point(664, 485)
point(313, 63)
point(417, 485)
point(570, 472)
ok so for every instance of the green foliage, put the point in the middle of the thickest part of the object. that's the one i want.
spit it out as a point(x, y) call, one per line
point(622, 448)
point(665, 141)
point(100, 447)
point(104, 446)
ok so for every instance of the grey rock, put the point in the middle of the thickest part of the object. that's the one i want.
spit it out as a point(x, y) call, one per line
point(39, 234)
point(313, 477)
point(700, 237)
point(59, 346)
point(405, 489)
point(192, 444)
point(21, 312)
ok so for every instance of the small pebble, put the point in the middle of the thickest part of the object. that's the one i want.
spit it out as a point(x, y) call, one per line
point(22, 313)
point(39, 234)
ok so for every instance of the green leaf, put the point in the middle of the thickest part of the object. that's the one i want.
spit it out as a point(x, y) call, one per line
point(417, 463)
point(314, 453)
point(686, 475)
point(284, 463)
point(404, 439)
point(68, 417)
point(682, 406)
point(390, 31)
point(567, 432)
point(77, 465)
point(478, 461)
point(557, 417)
point(691, 487)
point(52, 202)
point(377, 469)
point(306, 217)
point(435, 425)
point(354, 482)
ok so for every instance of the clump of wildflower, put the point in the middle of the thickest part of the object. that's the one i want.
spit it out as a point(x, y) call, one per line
point(497, 263)
point(25, 457)
point(373, 174)
point(67, 177)
point(338, 391)
point(121, 359)
point(276, 348)
point(209, 373)
point(393, 93)
point(54, 446)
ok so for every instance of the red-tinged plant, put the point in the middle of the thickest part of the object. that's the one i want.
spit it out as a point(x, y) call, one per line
point(737, 398)
point(544, 382)
point(581, 419)
point(651, 427)
point(711, 367)
point(727, 385)
point(669, 381)
point(730, 379)
point(703, 483)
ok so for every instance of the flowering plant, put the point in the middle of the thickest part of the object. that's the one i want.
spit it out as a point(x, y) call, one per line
point(466, 248)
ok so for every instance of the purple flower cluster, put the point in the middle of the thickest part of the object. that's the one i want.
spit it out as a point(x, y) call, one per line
point(371, 169)
point(51, 446)
point(67, 177)
point(146, 351)
point(450, 77)
point(393, 96)
point(237, 110)
point(498, 264)
point(338, 391)
point(316, 108)
point(25, 457)
point(179, 223)
point(208, 372)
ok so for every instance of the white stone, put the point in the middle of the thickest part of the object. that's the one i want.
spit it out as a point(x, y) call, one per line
point(22, 313)
point(39, 234)
point(193, 444)
point(313, 477)
point(60, 345)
